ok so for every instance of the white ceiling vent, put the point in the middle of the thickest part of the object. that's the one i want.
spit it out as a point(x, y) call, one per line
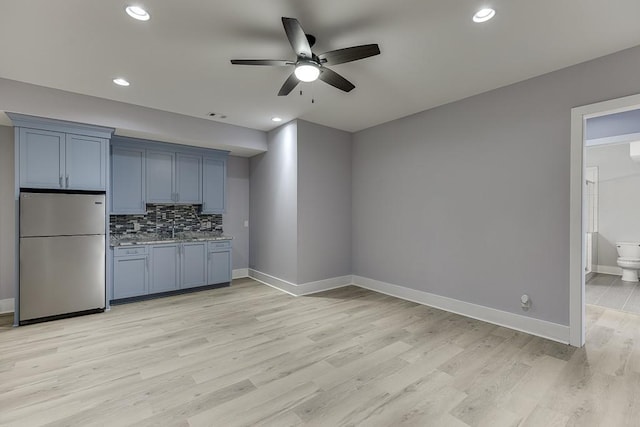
point(634, 151)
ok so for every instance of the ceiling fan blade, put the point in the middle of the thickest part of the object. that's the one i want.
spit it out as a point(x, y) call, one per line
point(296, 37)
point(291, 82)
point(335, 80)
point(349, 54)
point(273, 62)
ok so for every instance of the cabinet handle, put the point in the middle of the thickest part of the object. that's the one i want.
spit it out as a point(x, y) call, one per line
point(67, 181)
point(60, 180)
point(146, 263)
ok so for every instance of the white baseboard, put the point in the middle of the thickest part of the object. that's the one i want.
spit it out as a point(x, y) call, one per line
point(7, 305)
point(607, 269)
point(541, 328)
point(303, 288)
point(530, 325)
point(239, 273)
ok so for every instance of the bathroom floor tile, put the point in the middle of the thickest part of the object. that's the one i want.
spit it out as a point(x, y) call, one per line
point(606, 290)
point(616, 295)
point(633, 303)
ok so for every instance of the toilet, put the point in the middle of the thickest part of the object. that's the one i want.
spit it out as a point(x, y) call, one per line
point(629, 260)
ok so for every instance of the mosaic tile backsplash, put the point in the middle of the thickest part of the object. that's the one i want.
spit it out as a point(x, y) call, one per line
point(161, 219)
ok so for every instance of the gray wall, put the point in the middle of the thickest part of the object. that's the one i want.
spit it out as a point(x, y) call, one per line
point(618, 201)
point(7, 215)
point(128, 119)
point(273, 221)
point(238, 209)
point(471, 200)
point(324, 202)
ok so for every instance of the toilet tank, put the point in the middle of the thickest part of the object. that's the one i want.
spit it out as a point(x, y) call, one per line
point(628, 249)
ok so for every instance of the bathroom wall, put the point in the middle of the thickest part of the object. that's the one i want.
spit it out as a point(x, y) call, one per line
point(618, 201)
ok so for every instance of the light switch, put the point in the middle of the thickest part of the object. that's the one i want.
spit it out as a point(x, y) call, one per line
point(246, 223)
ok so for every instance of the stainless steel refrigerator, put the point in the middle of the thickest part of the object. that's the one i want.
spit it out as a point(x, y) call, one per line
point(62, 254)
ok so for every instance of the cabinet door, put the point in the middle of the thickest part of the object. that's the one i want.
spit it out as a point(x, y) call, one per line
point(219, 268)
point(130, 276)
point(164, 268)
point(41, 158)
point(189, 178)
point(194, 265)
point(127, 181)
point(160, 177)
point(215, 177)
point(86, 163)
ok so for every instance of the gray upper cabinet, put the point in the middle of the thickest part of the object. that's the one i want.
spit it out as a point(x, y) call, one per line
point(41, 158)
point(161, 177)
point(85, 162)
point(171, 174)
point(188, 179)
point(214, 184)
point(127, 180)
point(61, 155)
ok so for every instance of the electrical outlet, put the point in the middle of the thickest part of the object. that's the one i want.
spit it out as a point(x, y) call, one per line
point(136, 226)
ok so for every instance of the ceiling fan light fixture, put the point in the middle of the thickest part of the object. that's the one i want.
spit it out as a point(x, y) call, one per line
point(307, 71)
point(483, 15)
point(136, 12)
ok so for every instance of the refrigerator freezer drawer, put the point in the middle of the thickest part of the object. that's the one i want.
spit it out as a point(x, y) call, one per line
point(60, 214)
point(61, 275)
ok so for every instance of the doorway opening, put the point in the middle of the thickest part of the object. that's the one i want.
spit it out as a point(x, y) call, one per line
point(582, 209)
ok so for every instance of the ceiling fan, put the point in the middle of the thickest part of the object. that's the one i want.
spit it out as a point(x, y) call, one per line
point(310, 66)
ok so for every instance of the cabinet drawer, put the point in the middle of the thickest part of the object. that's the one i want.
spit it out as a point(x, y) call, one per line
point(129, 250)
point(220, 244)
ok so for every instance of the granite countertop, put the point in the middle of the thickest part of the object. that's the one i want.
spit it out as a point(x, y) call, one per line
point(149, 239)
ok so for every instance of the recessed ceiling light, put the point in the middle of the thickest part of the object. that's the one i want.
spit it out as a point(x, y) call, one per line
point(121, 82)
point(276, 119)
point(483, 15)
point(136, 12)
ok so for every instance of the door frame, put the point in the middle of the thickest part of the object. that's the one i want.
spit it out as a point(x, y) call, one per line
point(577, 200)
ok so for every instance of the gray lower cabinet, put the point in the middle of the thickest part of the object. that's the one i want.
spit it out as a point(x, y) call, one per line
point(219, 262)
point(130, 272)
point(149, 269)
point(193, 264)
point(164, 268)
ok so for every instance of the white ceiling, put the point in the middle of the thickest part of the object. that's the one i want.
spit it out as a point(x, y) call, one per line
point(432, 52)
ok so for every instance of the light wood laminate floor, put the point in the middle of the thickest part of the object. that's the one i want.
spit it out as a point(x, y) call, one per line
point(251, 355)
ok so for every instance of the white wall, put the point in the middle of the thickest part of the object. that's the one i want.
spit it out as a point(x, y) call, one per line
point(324, 202)
point(618, 198)
point(273, 220)
point(7, 214)
point(471, 200)
point(238, 209)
